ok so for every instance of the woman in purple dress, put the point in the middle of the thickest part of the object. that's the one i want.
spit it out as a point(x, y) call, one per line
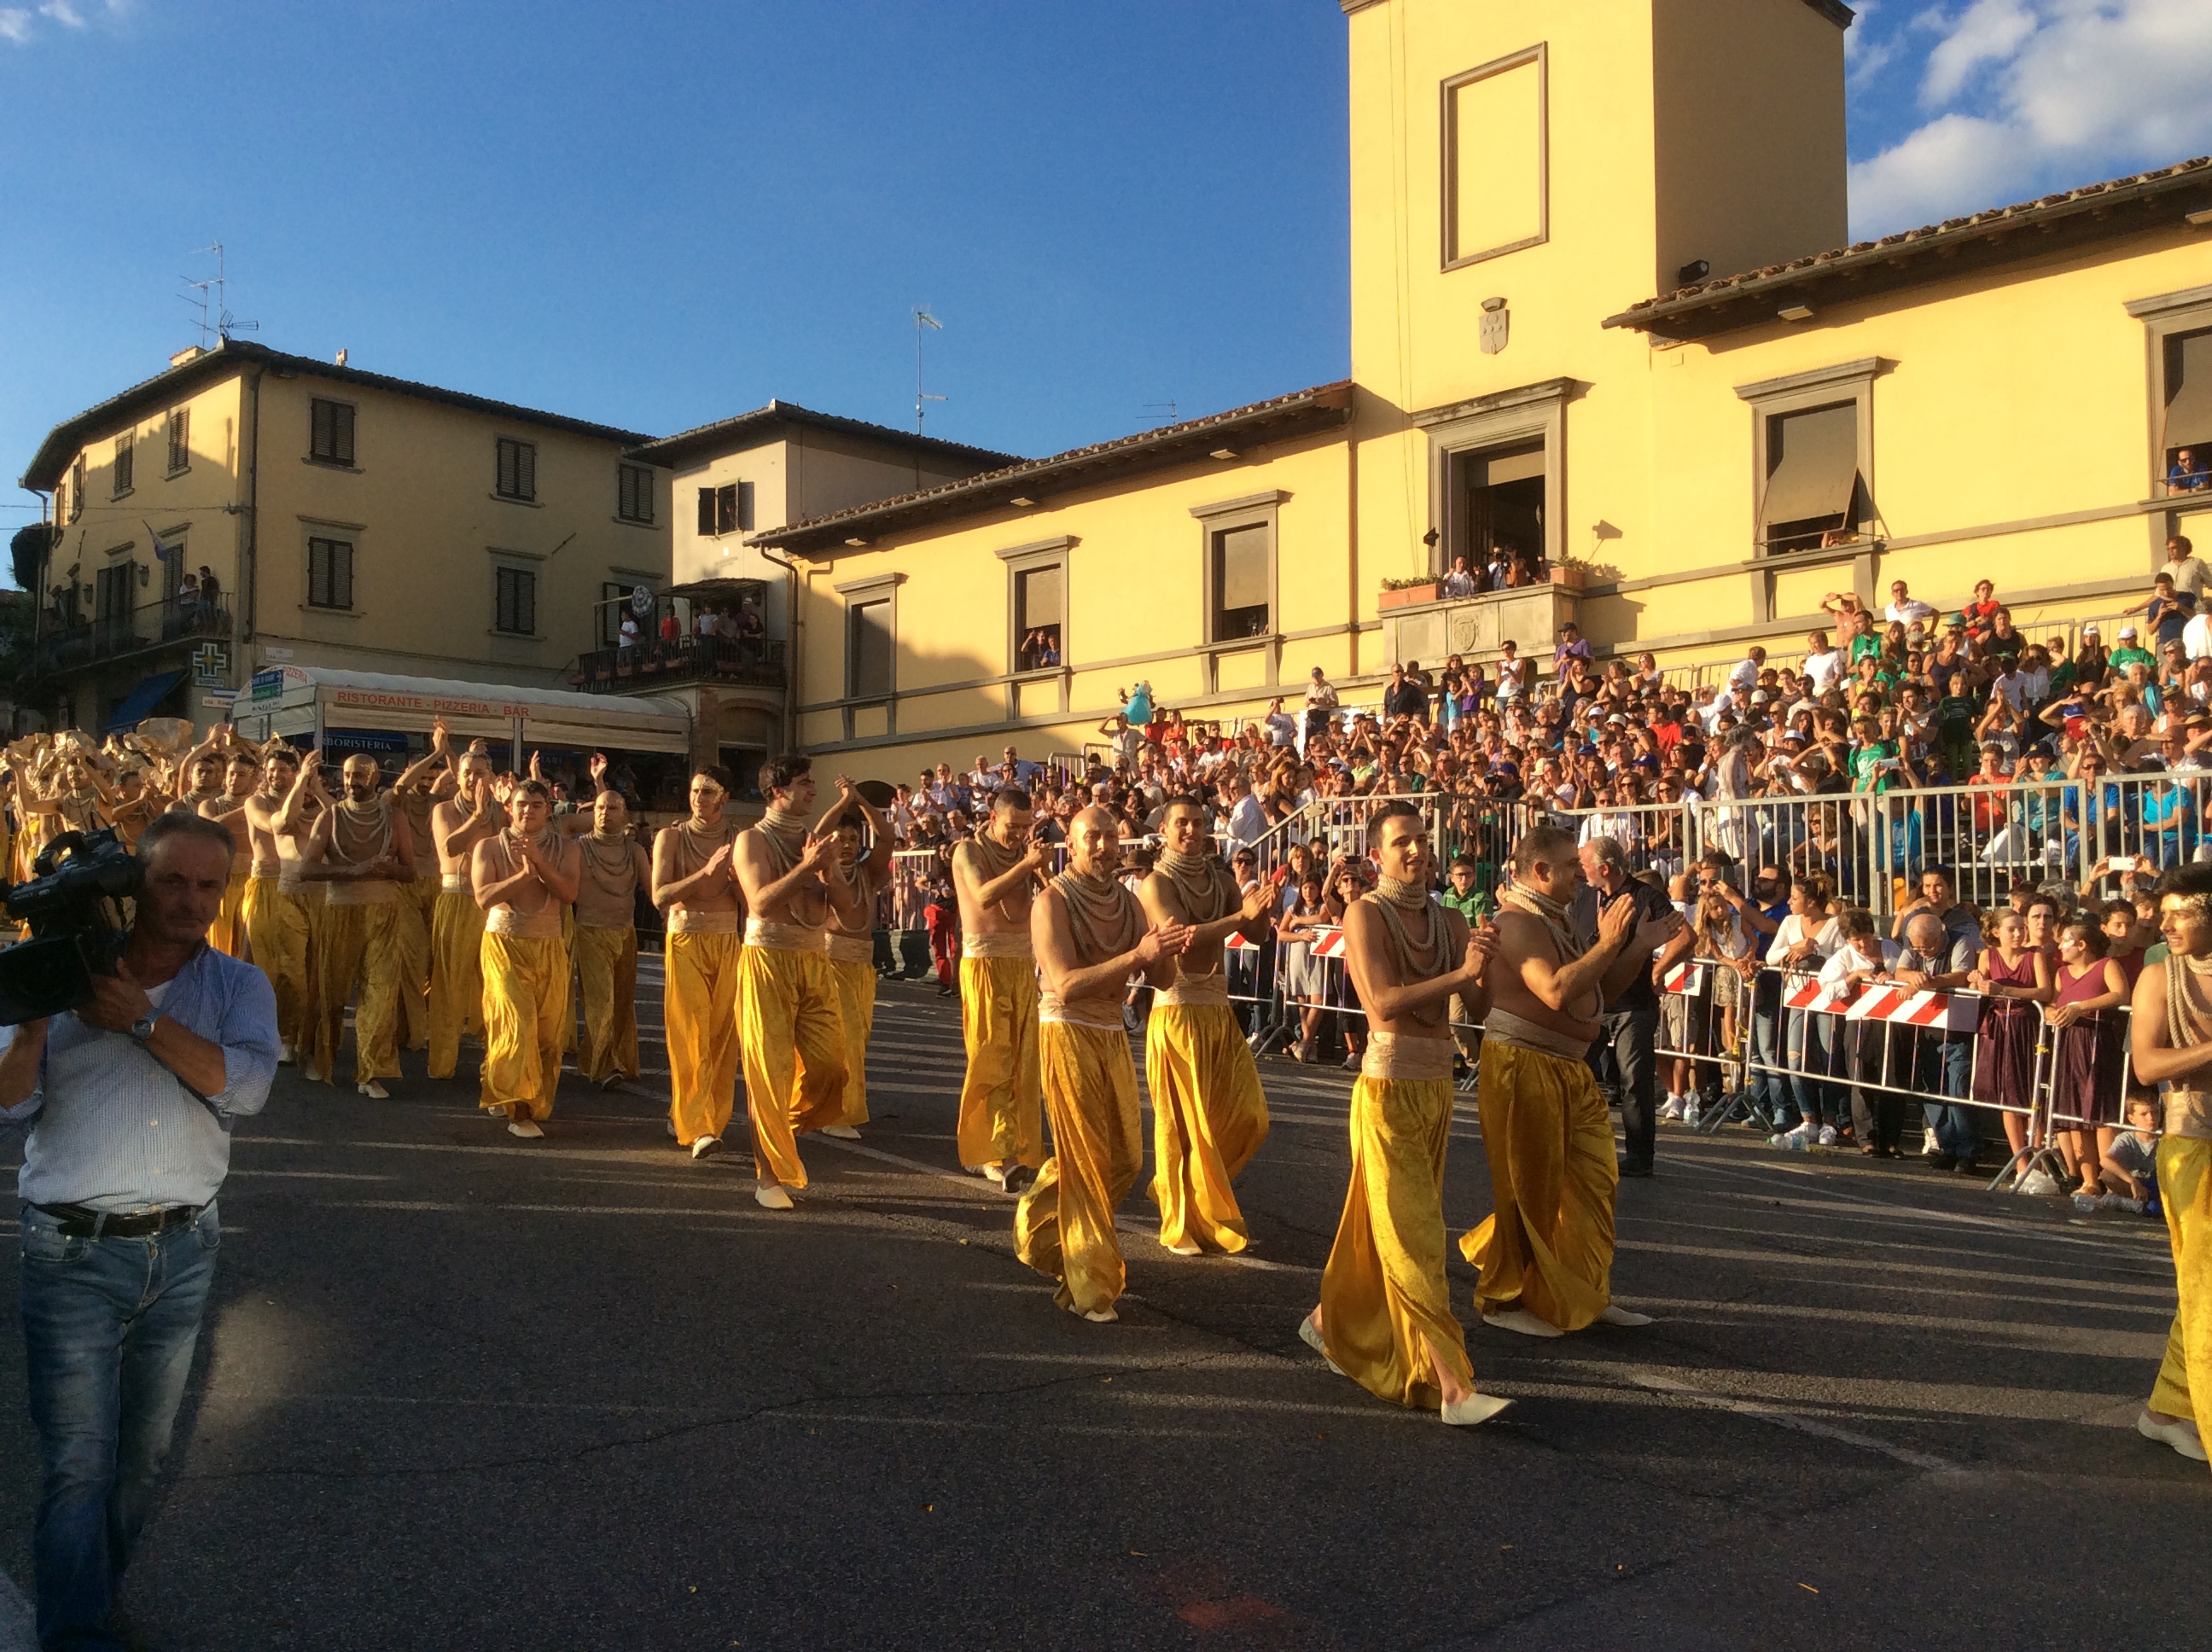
point(2012, 978)
point(2086, 1060)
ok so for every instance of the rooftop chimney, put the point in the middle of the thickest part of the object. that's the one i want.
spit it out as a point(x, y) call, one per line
point(189, 352)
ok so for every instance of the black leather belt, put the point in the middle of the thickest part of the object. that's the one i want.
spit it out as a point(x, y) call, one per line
point(78, 1222)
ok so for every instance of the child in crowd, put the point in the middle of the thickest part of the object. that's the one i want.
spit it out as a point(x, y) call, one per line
point(1863, 955)
point(2131, 1158)
point(942, 915)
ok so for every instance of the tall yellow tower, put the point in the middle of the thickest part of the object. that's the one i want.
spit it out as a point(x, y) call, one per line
point(1522, 169)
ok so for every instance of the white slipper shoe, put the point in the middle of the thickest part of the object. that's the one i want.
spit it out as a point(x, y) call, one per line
point(1182, 1249)
point(1475, 1408)
point(1616, 1314)
point(772, 1199)
point(2180, 1434)
point(841, 1132)
point(1312, 1338)
point(1521, 1320)
point(525, 1128)
point(374, 1091)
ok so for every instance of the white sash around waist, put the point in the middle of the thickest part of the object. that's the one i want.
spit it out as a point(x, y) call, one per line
point(772, 937)
point(1196, 993)
point(1507, 1028)
point(996, 944)
point(1395, 1058)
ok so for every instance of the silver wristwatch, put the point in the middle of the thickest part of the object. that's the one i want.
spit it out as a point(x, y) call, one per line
point(142, 1028)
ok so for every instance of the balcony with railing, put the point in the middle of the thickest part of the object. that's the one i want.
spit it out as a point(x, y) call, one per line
point(646, 667)
point(66, 643)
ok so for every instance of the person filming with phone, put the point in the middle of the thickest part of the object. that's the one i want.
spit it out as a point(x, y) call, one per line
point(132, 1097)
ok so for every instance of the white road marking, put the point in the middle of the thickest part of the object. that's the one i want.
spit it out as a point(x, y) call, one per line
point(1789, 1420)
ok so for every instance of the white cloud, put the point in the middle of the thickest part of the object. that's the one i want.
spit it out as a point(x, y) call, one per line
point(2078, 89)
point(1990, 31)
point(19, 25)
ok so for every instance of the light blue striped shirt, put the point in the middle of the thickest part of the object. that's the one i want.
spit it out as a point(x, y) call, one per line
point(116, 1130)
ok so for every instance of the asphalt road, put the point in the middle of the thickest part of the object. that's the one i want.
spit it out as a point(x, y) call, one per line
point(460, 1391)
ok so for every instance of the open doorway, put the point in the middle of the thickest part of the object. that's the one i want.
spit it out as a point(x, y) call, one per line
point(1498, 514)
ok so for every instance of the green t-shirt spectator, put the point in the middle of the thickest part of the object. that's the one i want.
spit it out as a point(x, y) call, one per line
point(1865, 647)
point(2062, 678)
point(1867, 773)
point(2124, 656)
point(1473, 906)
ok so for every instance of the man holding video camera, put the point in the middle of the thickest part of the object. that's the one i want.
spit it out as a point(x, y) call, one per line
point(133, 1094)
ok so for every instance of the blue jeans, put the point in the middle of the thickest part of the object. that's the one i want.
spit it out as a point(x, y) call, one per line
point(1770, 1092)
point(109, 1325)
point(1956, 1126)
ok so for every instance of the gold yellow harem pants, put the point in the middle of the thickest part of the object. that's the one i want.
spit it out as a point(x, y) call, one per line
point(1547, 1246)
point(456, 1005)
point(1209, 1117)
point(1064, 1225)
point(276, 930)
point(228, 933)
point(855, 979)
point(358, 943)
point(1001, 1106)
point(526, 981)
point(1384, 1303)
point(606, 969)
point(2184, 1188)
point(699, 1005)
point(417, 899)
point(792, 1037)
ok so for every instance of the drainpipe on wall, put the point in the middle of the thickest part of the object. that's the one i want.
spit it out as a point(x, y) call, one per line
point(249, 556)
point(791, 671)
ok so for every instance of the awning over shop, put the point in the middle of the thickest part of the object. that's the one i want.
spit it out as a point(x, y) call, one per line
point(138, 705)
point(365, 701)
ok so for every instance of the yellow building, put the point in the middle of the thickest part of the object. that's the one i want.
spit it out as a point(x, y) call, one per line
point(1602, 308)
point(729, 479)
point(353, 522)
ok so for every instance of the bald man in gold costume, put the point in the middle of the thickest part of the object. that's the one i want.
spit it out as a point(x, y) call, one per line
point(694, 883)
point(791, 1028)
point(276, 915)
point(1209, 1113)
point(1090, 936)
point(852, 934)
point(242, 778)
point(995, 876)
point(1385, 1318)
point(457, 824)
point(523, 877)
point(361, 851)
point(1545, 1250)
point(614, 869)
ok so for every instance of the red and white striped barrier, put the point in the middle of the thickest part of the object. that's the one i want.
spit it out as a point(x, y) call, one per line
point(1686, 978)
point(1326, 944)
point(1882, 1001)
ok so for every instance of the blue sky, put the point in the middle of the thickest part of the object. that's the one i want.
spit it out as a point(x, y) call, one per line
point(658, 214)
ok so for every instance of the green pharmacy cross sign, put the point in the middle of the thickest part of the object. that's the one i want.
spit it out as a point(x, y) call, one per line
point(210, 665)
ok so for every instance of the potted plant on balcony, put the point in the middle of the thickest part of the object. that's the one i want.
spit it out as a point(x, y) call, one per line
point(1404, 593)
point(1570, 571)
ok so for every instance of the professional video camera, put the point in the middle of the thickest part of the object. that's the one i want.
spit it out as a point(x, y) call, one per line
point(74, 935)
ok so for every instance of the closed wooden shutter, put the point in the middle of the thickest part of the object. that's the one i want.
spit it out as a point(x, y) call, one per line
point(518, 468)
point(516, 609)
point(329, 574)
point(123, 464)
point(180, 439)
point(745, 506)
point(706, 511)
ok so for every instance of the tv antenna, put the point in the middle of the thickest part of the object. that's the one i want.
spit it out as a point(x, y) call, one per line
point(1167, 412)
point(208, 296)
point(924, 322)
